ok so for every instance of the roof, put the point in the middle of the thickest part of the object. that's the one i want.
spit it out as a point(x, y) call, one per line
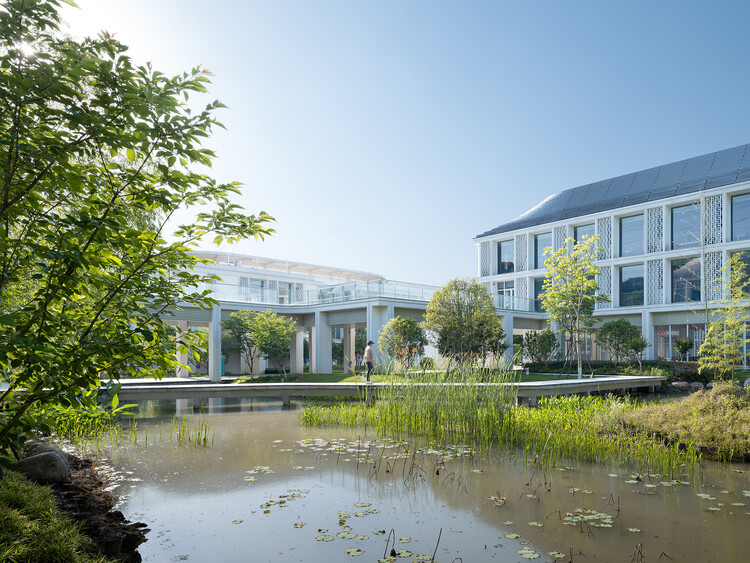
point(696, 174)
point(246, 261)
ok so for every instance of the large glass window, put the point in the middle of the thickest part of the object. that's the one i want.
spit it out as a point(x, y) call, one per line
point(538, 290)
point(285, 293)
point(505, 257)
point(631, 235)
point(686, 280)
point(631, 285)
point(541, 243)
point(686, 226)
point(506, 291)
point(741, 217)
point(583, 231)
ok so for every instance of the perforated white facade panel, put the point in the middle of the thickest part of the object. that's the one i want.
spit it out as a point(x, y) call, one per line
point(560, 234)
point(655, 282)
point(712, 220)
point(522, 290)
point(522, 250)
point(654, 230)
point(604, 230)
point(713, 275)
point(604, 279)
point(485, 262)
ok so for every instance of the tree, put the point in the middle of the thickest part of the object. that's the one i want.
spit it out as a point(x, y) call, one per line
point(615, 336)
point(199, 348)
point(723, 350)
point(461, 316)
point(337, 353)
point(636, 346)
point(540, 346)
point(89, 143)
point(272, 335)
point(683, 346)
point(402, 339)
point(360, 342)
point(240, 325)
point(570, 290)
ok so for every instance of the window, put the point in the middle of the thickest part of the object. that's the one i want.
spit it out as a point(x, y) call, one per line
point(686, 226)
point(741, 217)
point(686, 280)
point(505, 257)
point(506, 291)
point(251, 290)
point(538, 290)
point(582, 231)
point(285, 293)
point(541, 243)
point(631, 235)
point(631, 285)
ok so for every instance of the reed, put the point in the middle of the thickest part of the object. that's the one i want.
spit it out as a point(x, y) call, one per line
point(479, 411)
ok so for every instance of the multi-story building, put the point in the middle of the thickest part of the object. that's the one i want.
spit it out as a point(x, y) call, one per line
point(665, 233)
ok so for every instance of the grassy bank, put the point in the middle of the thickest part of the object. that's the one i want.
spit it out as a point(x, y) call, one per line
point(33, 530)
point(583, 428)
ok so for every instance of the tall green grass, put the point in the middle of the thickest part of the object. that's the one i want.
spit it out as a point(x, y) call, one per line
point(473, 409)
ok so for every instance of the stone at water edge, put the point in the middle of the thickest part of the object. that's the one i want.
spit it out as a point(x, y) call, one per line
point(36, 447)
point(747, 383)
point(680, 385)
point(46, 468)
point(710, 385)
point(696, 386)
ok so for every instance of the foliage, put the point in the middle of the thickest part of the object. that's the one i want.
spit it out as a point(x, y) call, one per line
point(540, 346)
point(723, 350)
point(683, 346)
point(402, 339)
point(198, 340)
point(33, 530)
point(717, 421)
point(614, 336)
point(570, 290)
point(96, 156)
point(240, 325)
point(636, 346)
point(360, 342)
point(337, 352)
point(272, 335)
point(426, 363)
point(461, 316)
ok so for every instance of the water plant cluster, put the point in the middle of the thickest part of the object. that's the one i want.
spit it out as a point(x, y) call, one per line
point(479, 410)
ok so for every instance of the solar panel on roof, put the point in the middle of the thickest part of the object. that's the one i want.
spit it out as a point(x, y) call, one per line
point(713, 170)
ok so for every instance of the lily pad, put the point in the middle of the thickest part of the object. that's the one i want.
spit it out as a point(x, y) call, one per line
point(556, 555)
point(536, 524)
point(298, 524)
point(512, 536)
point(237, 521)
point(404, 553)
point(353, 551)
point(324, 537)
point(527, 553)
point(346, 535)
point(362, 504)
point(404, 540)
point(379, 532)
point(634, 530)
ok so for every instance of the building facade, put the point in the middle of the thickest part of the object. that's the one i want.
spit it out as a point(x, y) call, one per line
point(665, 234)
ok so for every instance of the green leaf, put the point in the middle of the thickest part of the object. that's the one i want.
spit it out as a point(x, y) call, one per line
point(130, 153)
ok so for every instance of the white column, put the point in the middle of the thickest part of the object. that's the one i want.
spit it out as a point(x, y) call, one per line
point(508, 328)
point(214, 345)
point(648, 332)
point(297, 355)
point(182, 356)
point(377, 317)
point(349, 350)
point(323, 343)
point(312, 350)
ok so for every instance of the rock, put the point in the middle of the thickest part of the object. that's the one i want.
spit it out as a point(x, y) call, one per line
point(35, 447)
point(747, 383)
point(46, 468)
point(696, 386)
point(710, 385)
point(680, 385)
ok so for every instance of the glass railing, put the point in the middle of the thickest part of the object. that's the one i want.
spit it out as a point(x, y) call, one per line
point(513, 303)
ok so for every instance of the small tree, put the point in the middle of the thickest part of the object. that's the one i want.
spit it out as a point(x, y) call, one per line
point(636, 346)
point(462, 319)
point(360, 342)
point(240, 326)
point(540, 346)
point(402, 339)
point(615, 336)
point(570, 290)
point(272, 335)
point(683, 346)
point(723, 350)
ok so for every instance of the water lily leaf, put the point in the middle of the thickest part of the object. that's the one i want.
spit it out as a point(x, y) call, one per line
point(527, 553)
point(386, 560)
point(403, 553)
point(508, 522)
point(354, 551)
point(379, 532)
point(324, 537)
point(423, 557)
point(322, 530)
point(404, 540)
point(237, 521)
point(556, 555)
point(512, 536)
point(634, 530)
point(536, 524)
point(372, 511)
point(298, 524)
point(346, 535)
point(250, 478)
point(363, 538)
point(362, 504)
point(360, 514)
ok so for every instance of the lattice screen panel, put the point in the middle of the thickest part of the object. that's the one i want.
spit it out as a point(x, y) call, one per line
point(273, 285)
point(605, 285)
point(485, 259)
point(654, 230)
point(713, 275)
point(488, 285)
point(299, 293)
point(522, 250)
point(604, 230)
point(712, 220)
point(561, 233)
point(655, 281)
point(522, 291)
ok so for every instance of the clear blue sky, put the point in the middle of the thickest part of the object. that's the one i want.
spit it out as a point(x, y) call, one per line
point(384, 135)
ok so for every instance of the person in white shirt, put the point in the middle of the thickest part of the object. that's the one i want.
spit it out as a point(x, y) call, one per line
point(368, 359)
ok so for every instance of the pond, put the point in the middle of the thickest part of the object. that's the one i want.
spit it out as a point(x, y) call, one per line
point(266, 489)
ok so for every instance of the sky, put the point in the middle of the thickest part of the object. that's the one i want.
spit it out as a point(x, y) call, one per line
point(385, 135)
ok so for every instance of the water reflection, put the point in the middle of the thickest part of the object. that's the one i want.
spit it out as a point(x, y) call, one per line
point(207, 504)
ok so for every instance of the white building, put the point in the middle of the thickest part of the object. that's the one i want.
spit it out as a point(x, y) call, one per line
point(665, 232)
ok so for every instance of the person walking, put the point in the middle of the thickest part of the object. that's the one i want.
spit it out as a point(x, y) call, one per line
point(368, 359)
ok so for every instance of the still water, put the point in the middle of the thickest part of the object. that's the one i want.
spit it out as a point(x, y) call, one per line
point(266, 489)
